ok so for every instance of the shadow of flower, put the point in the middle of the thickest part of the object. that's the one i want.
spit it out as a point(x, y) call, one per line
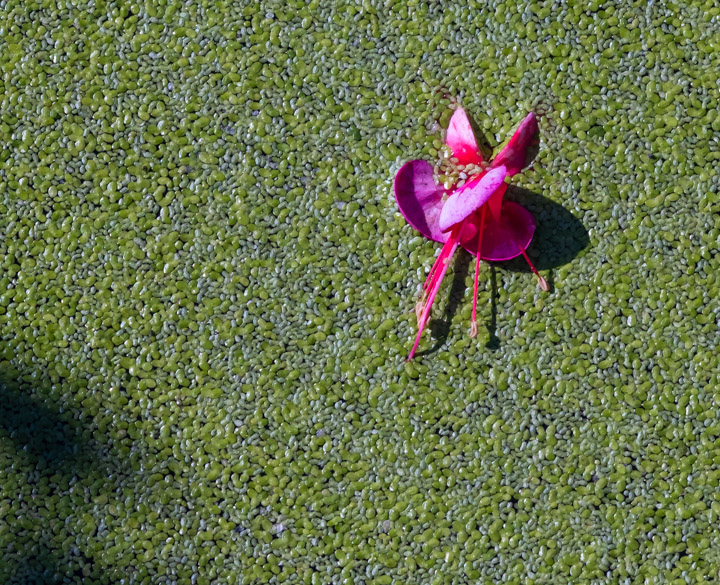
point(559, 236)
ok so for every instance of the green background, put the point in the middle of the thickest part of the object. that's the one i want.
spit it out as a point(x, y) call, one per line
point(207, 293)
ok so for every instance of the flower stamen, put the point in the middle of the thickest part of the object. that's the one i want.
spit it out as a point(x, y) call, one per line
point(422, 309)
point(542, 283)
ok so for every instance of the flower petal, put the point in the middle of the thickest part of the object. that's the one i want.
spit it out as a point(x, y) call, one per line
point(470, 197)
point(503, 240)
point(420, 199)
point(461, 139)
point(522, 147)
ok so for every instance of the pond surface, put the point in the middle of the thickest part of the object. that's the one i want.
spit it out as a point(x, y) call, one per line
point(207, 296)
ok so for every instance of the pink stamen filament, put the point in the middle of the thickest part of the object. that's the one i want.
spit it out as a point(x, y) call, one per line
point(473, 325)
point(542, 283)
point(429, 283)
point(432, 270)
point(441, 266)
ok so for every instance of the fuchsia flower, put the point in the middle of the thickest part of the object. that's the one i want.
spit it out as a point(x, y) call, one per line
point(460, 216)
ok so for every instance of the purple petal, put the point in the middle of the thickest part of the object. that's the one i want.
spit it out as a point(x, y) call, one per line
point(470, 197)
point(520, 150)
point(502, 240)
point(420, 199)
point(461, 139)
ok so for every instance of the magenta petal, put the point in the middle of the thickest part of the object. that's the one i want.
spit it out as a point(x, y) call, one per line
point(502, 240)
point(470, 197)
point(420, 199)
point(461, 139)
point(519, 151)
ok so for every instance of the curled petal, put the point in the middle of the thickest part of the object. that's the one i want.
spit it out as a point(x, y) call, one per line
point(420, 199)
point(461, 139)
point(505, 239)
point(522, 147)
point(470, 197)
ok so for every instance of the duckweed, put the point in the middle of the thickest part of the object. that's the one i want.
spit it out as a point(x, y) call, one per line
point(206, 296)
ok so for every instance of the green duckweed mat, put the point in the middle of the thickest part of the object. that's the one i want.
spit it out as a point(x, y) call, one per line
point(207, 293)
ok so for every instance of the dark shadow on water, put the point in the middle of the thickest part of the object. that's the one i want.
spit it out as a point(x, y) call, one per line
point(559, 236)
point(46, 567)
point(42, 431)
point(494, 341)
point(46, 434)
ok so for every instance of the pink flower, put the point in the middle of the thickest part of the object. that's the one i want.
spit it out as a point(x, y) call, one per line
point(460, 216)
